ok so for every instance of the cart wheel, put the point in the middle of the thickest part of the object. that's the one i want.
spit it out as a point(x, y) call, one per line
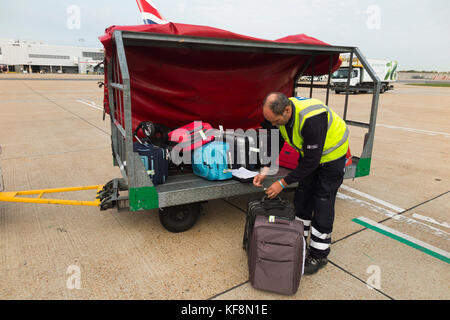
point(179, 218)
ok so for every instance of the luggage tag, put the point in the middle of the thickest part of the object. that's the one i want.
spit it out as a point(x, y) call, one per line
point(271, 219)
point(202, 134)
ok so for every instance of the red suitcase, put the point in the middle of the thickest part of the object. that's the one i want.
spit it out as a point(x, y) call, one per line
point(289, 157)
point(192, 135)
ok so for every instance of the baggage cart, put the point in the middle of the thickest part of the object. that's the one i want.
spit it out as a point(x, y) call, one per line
point(179, 199)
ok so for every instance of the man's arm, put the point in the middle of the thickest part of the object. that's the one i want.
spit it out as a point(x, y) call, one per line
point(314, 132)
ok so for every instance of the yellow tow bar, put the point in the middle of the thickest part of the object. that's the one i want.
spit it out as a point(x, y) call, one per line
point(15, 196)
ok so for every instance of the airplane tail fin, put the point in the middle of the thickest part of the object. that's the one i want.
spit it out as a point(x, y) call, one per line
point(149, 13)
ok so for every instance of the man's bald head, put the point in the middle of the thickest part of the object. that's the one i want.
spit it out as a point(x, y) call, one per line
point(277, 102)
point(277, 108)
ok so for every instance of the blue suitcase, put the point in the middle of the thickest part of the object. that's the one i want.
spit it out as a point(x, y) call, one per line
point(210, 161)
point(155, 160)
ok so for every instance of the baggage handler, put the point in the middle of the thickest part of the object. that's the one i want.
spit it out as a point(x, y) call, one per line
point(321, 137)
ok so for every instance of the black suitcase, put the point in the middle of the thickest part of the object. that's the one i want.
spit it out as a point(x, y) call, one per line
point(155, 160)
point(243, 151)
point(277, 207)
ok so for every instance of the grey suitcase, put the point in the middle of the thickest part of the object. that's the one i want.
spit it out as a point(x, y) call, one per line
point(276, 254)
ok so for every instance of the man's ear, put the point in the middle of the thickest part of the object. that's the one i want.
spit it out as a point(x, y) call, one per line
point(288, 109)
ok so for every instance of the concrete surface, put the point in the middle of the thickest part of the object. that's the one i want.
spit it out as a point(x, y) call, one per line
point(52, 135)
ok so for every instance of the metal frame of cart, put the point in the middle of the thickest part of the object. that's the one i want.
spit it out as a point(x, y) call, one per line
point(187, 189)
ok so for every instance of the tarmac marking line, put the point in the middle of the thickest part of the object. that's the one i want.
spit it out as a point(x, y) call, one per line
point(432, 133)
point(92, 105)
point(404, 238)
point(393, 215)
point(431, 220)
point(367, 196)
point(398, 211)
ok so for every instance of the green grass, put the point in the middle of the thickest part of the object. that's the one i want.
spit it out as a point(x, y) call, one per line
point(429, 84)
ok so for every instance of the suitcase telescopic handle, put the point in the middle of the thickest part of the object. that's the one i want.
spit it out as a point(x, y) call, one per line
point(266, 202)
point(265, 198)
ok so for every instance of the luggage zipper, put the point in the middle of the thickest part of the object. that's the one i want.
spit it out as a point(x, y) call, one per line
point(270, 260)
point(282, 229)
point(277, 244)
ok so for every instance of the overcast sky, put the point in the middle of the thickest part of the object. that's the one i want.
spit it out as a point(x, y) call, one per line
point(416, 33)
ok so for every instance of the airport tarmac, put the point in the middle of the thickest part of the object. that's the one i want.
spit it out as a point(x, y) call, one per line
point(391, 237)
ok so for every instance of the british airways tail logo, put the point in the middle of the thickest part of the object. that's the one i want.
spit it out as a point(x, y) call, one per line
point(149, 13)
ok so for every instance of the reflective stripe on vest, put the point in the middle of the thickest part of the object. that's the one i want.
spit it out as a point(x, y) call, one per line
point(306, 108)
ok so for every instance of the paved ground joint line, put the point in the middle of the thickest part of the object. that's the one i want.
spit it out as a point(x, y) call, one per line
point(228, 290)
point(354, 276)
point(76, 115)
point(235, 206)
point(417, 205)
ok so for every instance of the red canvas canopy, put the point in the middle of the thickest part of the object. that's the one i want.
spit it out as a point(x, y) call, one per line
point(174, 86)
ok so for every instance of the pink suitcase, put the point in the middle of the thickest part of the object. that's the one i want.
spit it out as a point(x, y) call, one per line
point(192, 135)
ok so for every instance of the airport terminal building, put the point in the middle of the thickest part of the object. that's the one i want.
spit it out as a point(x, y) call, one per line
point(36, 57)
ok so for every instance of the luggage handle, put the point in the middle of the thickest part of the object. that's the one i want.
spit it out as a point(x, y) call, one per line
point(266, 202)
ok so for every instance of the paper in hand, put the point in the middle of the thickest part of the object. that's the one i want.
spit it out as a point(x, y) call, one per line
point(243, 173)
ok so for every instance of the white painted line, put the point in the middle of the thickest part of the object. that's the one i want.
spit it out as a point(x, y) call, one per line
point(432, 133)
point(395, 216)
point(428, 219)
point(92, 105)
point(367, 196)
point(404, 238)
point(395, 208)
point(366, 204)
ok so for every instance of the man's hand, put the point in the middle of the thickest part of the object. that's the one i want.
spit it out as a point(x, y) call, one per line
point(258, 179)
point(274, 190)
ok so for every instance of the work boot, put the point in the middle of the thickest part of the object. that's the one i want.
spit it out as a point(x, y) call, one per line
point(312, 265)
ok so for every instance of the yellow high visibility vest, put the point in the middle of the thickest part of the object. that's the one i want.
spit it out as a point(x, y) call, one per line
point(336, 141)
